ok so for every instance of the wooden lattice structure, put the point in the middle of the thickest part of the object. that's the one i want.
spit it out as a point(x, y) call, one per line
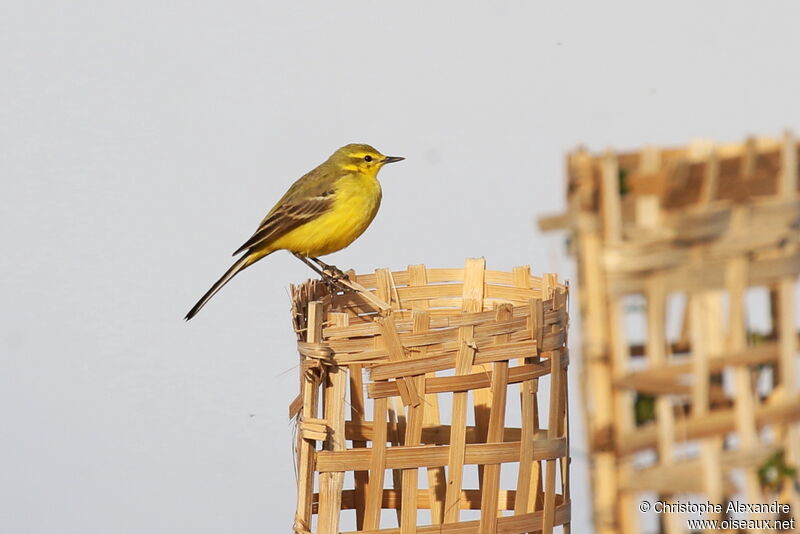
point(390, 360)
point(709, 410)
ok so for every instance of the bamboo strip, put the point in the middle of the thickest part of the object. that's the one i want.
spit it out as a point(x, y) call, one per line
point(438, 361)
point(744, 402)
point(517, 524)
point(612, 223)
point(434, 456)
point(491, 474)
point(485, 333)
point(665, 417)
point(528, 473)
point(377, 464)
point(565, 460)
point(296, 406)
point(463, 383)
point(417, 275)
point(681, 477)
point(391, 341)
point(623, 414)
point(640, 260)
point(787, 387)
point(749, 153)
point(473, 302)
point(306, 448)
point(432, 433)
point(437, 276)
point(711, 178)
point(709, 275)
point(700, 361)
point(357, 305)
point(410, 477)
point(787, 340)
point(718, 422)
point(357, 411)
point(599, 416)
point(457, 447)
point(559, 221)
point(521, 278)
point(392, 499)
point(552, 341)
point(556, 384)
point(404, 326)
point(397, 416)
point(669, 374)
point(708, 320)
point(314, 429)
point(330, 484)
point(386, 290)
point(529, 477)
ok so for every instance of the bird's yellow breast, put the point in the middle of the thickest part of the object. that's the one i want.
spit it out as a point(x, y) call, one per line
point(356, 199)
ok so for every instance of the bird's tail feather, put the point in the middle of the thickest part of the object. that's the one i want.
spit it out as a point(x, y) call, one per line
point(239, 265)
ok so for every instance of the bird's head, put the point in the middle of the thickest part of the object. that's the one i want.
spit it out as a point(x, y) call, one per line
point(362, 159)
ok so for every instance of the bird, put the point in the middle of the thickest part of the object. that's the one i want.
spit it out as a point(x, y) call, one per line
point(324, 211)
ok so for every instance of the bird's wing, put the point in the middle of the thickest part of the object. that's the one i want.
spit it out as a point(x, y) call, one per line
point(308, 198)
point(286, 217)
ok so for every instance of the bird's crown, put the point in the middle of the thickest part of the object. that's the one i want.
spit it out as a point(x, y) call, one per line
point(357, 151)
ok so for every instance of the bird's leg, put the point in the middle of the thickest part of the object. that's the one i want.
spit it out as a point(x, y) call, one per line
point(332, 270)
point(332, 281)
point(313, 267)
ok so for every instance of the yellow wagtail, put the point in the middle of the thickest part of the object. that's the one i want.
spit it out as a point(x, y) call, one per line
point(324, 211)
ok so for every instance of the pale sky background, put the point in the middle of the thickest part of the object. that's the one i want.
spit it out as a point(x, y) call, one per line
point(141, 143)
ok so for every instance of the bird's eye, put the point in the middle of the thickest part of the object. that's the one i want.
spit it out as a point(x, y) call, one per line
point(367, 158)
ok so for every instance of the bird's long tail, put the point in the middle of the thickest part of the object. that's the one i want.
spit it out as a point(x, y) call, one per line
point(239, 265)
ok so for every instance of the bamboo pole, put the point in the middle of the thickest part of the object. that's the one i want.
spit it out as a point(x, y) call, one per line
point(417, 275)
point(413, 435)
point(556, 385)
point(455, 466)
point(306, 447)
point(529, 477)
point(665, 416)
point(330, 483)
point(377, 463)
point(599, 380)
point(490, 488)
point(612, 212)
point(474, 281)
point(744, 402)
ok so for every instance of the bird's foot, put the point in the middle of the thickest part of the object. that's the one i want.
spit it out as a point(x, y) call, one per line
point(335, 273)
point(334, 282)
point(331, 270)
point(331, 275)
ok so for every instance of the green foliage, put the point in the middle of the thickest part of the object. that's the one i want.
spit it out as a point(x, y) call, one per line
point(624, 186)
point(757, 338)
point(644, 408)
point(774, 471)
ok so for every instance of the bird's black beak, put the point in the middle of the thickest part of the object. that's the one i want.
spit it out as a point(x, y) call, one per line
point(392, 159)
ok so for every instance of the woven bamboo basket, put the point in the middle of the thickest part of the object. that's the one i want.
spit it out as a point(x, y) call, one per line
point(710, 408)
point(383, 365)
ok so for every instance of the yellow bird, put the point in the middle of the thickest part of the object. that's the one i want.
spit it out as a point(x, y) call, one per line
point(324, 211)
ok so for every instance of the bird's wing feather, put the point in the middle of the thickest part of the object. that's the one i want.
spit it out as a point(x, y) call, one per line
point(286, 217)
point(308, 198)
